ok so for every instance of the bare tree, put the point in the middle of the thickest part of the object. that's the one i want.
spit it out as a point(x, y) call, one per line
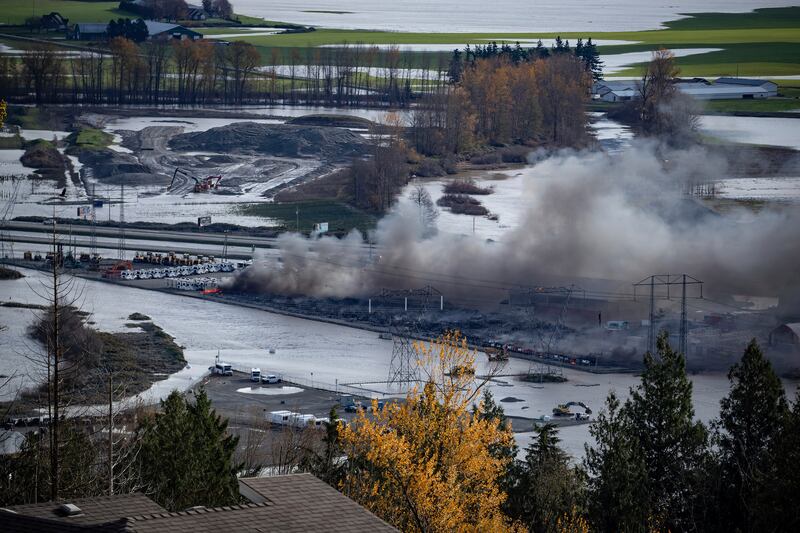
point(427, 210)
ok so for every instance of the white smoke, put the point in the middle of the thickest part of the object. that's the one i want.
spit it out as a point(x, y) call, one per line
point(585, 215)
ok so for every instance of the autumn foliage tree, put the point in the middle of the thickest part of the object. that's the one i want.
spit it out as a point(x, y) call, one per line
point(426, 464)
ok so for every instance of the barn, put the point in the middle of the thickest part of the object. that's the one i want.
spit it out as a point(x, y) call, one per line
point(785, 336)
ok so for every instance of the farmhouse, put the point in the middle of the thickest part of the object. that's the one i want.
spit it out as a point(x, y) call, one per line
point(194, 12)
point(89, 31)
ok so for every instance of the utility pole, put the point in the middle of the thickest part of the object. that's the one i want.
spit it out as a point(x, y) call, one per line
point(121, 246)
point(683, 328)
point(297, 217)
point(93, 238)
point(668, 280)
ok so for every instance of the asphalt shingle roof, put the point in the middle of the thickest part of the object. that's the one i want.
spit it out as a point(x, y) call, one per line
point(295, 503)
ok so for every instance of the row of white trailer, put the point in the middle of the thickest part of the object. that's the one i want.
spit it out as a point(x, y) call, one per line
point(297, 420)
point(177, 271)
point(193, 284)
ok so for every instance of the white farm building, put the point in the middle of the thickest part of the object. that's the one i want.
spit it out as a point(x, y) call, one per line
point(720, 89)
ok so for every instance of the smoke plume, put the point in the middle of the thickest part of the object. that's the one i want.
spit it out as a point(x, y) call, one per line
point(586, 215)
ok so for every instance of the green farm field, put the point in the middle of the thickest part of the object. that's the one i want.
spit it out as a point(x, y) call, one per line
point(765, 42)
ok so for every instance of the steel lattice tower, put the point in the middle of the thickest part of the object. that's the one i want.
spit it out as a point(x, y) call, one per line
point(403, 368)
point(668, 280)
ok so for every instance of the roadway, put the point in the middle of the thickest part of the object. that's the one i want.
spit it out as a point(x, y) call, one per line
point(142, 240)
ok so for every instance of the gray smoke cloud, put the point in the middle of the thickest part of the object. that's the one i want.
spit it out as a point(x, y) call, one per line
point(586, 215)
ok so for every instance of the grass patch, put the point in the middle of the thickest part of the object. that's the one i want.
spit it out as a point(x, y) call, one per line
point(773, 105)
point(90, 138)
point(341, 218)
point(15, 142)
point(16, 11)
point(36, 118)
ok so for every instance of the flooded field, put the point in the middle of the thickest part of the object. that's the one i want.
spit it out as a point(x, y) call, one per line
point(772, 131)
point(504, 15)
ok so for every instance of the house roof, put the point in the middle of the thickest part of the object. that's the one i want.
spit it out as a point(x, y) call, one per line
point(156, 28)
point(292, 503)
point(793, 326)
point(721, 89)
point(99, 510)
point(92, 27)
point(742, 81)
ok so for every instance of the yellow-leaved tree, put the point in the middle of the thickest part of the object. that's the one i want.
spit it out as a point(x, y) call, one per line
point(425, 464)
point(3, 112)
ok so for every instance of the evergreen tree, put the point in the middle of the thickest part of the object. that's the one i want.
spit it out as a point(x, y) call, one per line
point(328, 466)
point(546, 487)
point(456, 66)
point(673, 443)
point(592, 59)
point(186, 457)
point(782, 494)
point(617, 480)
point(752, 417)
point(505, 451)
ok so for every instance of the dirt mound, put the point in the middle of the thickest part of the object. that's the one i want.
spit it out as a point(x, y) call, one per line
point(338, 121)
point(43, 155)
point(282, 140)
point(113, 167)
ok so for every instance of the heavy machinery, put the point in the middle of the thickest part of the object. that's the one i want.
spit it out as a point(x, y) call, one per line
point(115, 271)
point(562, 411)
point(497, 353)
point(206, 184)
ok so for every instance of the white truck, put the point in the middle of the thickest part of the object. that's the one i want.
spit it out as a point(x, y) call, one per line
point(221, 368)
point(255, 375)
point(270, 379)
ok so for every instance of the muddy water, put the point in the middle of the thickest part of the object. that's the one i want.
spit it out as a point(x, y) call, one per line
point(334, 354)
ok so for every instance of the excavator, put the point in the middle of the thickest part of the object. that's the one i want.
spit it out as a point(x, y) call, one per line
point(562, 410)
point(200, 184)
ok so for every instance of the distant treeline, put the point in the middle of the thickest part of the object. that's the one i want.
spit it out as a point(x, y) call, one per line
point(204, 72)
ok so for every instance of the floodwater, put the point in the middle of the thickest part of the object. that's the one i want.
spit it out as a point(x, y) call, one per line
point(773, 131)
point(508, 187)
point(333, 355)
point(501, 17)
point(772, 188)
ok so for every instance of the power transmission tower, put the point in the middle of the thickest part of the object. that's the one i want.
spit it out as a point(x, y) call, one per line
point(543, 367)
point(121, 245)
point(667, 281)
point(403, 368)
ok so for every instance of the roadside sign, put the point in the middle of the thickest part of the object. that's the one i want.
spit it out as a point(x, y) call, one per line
point(321, 227)
point(203, 221)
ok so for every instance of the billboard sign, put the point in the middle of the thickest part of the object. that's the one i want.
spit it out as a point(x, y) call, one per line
point(203, 221)
point(321, 227)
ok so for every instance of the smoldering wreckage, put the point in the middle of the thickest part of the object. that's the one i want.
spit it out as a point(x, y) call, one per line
point(562, 280)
